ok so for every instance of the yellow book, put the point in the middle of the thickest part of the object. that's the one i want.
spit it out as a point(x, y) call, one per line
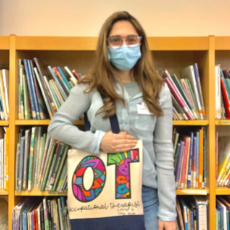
point(223, 155)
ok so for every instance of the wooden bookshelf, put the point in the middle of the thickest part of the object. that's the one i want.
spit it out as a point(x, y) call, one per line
point(5, 63)
point(195, 122)
point(204, 191)
point(172, 53)
point(222, 191)
point(37, 192)
point(222, 122)
point(3, 192)
point(41, 122)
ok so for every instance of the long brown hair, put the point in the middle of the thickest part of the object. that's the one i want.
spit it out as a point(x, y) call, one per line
point(101, 76)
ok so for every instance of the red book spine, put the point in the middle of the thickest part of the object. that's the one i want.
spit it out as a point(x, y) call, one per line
point(75, 74)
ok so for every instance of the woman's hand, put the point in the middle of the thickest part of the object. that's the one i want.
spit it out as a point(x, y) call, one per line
point(169, 225)
point(114, 143)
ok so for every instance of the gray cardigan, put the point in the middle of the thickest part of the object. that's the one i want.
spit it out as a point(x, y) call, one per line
point(155, 132)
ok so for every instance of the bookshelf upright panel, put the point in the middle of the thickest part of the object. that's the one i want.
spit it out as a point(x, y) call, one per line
point(171, 53)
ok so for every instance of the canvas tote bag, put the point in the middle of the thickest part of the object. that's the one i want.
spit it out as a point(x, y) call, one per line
point(105, 190)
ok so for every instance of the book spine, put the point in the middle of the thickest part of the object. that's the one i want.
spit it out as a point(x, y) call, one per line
point(64, 77)
point(21, 161)
point(190, 161)
point(197, 158)
point(54, 95)
point(201, 159)
point(197, 79)
point(26, 101)
point(46, 90)
point(66, 88)
point(31, 159)
point(72, 78)
point(37, 93)
point(53, 100)
point(180, 101)
point(46, 217)
point(57, 81)
point(37, 109)
point(30, 90)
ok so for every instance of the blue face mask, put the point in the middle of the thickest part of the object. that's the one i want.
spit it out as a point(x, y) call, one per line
point(124, 57)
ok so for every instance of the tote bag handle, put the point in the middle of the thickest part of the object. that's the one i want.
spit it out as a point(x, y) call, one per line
point(113, 122)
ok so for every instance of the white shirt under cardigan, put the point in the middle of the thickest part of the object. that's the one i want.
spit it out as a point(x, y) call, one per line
point(158, 162)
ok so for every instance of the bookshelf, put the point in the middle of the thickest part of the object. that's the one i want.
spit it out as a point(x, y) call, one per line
point(5, 62)
point(171, 53)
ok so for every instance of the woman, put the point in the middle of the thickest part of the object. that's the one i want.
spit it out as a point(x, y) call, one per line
point(123, 72)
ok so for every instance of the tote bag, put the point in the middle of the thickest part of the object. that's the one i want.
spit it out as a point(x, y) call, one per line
point(105, 190)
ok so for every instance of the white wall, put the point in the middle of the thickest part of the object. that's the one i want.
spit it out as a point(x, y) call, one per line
point(85, 17)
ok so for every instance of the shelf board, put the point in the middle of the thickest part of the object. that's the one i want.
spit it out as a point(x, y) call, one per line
point(3, 192)
point(90, 43)
point(222, 43)
point(222, 122)
point(4, 42)
point(178, 43)
point(222, 191)
point(37, 192)
point(193, 122)
point(4, 123)
point(56, 43)
point(41, 122)
point(192, 191)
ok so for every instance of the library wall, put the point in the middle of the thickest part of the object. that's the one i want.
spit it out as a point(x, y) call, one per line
point(84, 18)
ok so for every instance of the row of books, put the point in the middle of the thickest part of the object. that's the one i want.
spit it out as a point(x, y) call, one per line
point(4, 157)
point(190, 155)
point(41, 162)
point(222, 151)
point(41, 213)
point(43, 89)
point(3, 213)
point(192, 213)
point(4, 94)
point(222, 87)
point(222, 212)
point(186, 92)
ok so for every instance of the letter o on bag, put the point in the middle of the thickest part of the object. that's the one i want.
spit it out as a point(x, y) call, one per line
point(99, 176)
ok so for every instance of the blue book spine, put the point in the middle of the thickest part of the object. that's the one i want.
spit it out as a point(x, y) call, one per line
point(192, 220)
point(227, 216)
point(190, 161)
point(64, 77)
point(55, 78)
point(30, 90)
point(24, 221)
point(197, 157)
point(33, 90)
point(179, 163)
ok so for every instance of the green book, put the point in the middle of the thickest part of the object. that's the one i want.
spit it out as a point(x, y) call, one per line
point(58, 149)
point(63, 174)
point(58, 169)
point(31, 158)
point(47, 169)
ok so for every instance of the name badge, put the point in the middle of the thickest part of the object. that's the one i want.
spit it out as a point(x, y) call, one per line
point(142, 108)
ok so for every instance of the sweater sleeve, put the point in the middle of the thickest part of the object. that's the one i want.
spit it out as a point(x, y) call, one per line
point(61, 127)
point(164, 159)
